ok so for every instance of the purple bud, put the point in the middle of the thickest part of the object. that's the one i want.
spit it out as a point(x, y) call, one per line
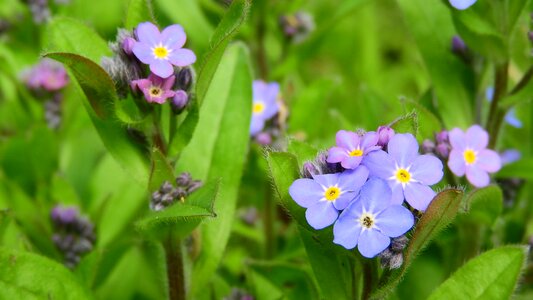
point(263, 138)
point(442, 137)
point(309, 170)
point(428, 146)
point(180, 100)
point(127, 45)
point(442, 150)
point(184, 79)
point(385, 133)
point(458, 45)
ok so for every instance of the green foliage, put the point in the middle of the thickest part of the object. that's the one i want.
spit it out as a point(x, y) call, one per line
point(492, 275)
point(139, 11)
point(217, 149)
point(485, 205)
point(520, 169)
point(25, 275)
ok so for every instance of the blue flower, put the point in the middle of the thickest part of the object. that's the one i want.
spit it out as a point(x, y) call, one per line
point(325, 195)
point(371, 220)
point(462, 4)
point(265, 104)
point(352, 148)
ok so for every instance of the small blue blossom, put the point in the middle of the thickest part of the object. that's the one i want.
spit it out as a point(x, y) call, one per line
point(462, 4)
point(265, 104)
point(325, 195)
point(352, 148)
point(371, 220)
point(409, 174)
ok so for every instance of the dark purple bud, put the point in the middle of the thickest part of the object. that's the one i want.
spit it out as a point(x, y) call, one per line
point(180, 100)
point(441, 137)
point(184, 179)
point(442, 150)
point(194, 186)
point(428, 146)
point(184, 79)
point(385, 133)
point(127, 45)
point(458, 45)
point(396, 261)
point(263, 138)
point(399, 243)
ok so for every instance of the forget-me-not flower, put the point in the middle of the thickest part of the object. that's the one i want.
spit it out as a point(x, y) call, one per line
point(352, 147)
point(264, 105)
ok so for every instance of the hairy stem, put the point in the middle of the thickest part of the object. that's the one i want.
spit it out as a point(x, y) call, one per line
point(270, 207)
point(496, 114)
point(176, 280)
point(369, 277)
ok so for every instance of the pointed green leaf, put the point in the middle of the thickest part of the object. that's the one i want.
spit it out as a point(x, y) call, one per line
point(161, 171)
point(138, 11)
point(485, 205)
point(406, 124)
point(25, 275)
point(492, 275)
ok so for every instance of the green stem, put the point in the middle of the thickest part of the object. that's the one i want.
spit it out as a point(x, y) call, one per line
point(496, 114)
point(157, 137)
point(171, 127)
point(369, 277)
point(270, 242)
point(176, 279)
point(262, 62)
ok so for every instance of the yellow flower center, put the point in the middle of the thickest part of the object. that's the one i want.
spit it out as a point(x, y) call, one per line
point(367, 220)
point(356, 152)
point(332, 193)
point(155, 91)
point(470, 156)
point(258, 108)
point(160, 52)
point(403, 176)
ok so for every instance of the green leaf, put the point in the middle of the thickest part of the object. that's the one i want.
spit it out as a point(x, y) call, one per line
point(181, 218)
point(100, 96)
point(492, 275)
point(139, 11)
point(161, 171)
point(520, 169)
point(485, 205)
point(430, 123)
point(432, 28)
point(70, 35)
point(406, 124)
point(440, 213)
point(303, 151)
point(227, 28)
point(24, 275)
point(218, 149)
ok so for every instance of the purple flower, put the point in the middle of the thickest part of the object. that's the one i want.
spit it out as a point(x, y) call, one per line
point(409, 174)
point(351, 148)
point(265, 104)
point(462, 4)
point(325, 195)
point(48, 75)
point(371, 220)
point(510, 156)
point(155, 88)
point(163, 49)
point(469, 155)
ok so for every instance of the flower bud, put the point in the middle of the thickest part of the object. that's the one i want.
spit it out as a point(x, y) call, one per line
point(442, 150)
point(263, 138)
point(385, 133)
point(428, 146)
point(127, 45)
point(184, 79)
point(441, 137)
point(180, 100)
point(309, 170)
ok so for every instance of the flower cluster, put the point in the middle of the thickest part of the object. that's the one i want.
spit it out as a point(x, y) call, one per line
point(266, 105)
point(73, 234)
point(46, 80)
point(168, 194)
point(361, 185)
point(166, 60)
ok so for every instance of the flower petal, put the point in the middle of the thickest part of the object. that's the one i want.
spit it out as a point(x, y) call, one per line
point(351, 162)
point(395, 221)
point(456, 162)
point(143, 53)
point(477, 138)
point(182, 57)
point(372, 242)
point(403, 148)
point(336, 154)
point(306, 192)
point(271, 109)
point(161, 68)
point(418, 195)
point(462, 4)
point(327, 180)
point(477, 177)
point(148, 33)
point(173, 36)
point(397, 192)
point(321, 215)
point(380, 164)
point(346, 230)
point(369, 139)
point(347, 139)
point(353, 180)
point(457, 139)
point(256, 125)
point(375, 195)
point(344, 199)
point(427, 169)
point(168, 83)
point(489, 161)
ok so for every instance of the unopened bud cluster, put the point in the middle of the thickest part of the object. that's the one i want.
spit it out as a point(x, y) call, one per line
point(320, 167)
point(440, 146)
point(392, 257)
point(168, 194)
point(73, 234)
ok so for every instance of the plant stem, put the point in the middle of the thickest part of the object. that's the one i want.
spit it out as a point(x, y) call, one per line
point(171, 127)
point(176, 280)
point(157, 137)
point(496, 114)
point(369, 277)
point(261, 52)
point(270, 239)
